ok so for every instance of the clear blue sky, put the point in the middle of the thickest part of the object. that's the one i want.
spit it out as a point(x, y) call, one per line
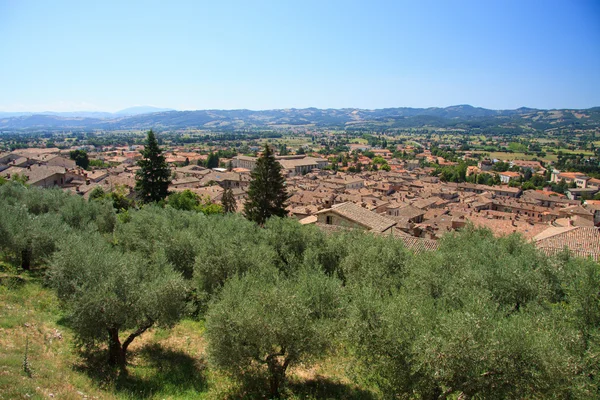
point(109, 55)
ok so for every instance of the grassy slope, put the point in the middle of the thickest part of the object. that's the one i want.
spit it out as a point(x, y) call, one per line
point(164, 364)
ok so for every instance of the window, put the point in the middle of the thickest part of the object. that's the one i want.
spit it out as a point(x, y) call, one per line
point(329, 220)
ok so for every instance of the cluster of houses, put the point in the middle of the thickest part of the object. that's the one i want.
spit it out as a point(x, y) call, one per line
point(405, 202)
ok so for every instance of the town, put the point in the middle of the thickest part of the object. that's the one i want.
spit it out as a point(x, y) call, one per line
point(364, 200)
point(403, 190)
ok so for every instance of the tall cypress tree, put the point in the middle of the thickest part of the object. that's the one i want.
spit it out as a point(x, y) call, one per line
point(154, 175)
point(212, 161)
point(266, 194)
point(228, 201)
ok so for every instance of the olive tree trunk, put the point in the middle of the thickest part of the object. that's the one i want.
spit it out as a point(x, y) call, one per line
point(117, 351)
point(277, 371)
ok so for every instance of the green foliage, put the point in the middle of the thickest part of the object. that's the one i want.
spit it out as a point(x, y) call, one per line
point(466, 313)
point(212, 161)
point(290, 241)
point(482, 317)
point(97, 193)
point(19, 178)
point(267, 194)
point(456, 173)
point(374, 261)
point(228, 201)
point(300, 314)
point(185, 200)
point(190, 201)
point(154, 175)
point(98, 163)
point(81, 158)
point(119, 198)
point(517, 147)
point(228, 246)
point(207, 207)
point(106, 292)
point(33, 220)
point(379, 160)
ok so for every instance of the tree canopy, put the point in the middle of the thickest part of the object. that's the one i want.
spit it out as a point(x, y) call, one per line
point(81, 158)
point(481, 317)
point(267, 195)
point(107, 292)
point(154, 176)
point(228, 201)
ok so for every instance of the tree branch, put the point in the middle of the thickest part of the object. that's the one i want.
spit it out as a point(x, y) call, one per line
point(137, 333)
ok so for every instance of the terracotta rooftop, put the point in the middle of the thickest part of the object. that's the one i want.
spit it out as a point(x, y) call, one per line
point(362, 216)
point(582, 241)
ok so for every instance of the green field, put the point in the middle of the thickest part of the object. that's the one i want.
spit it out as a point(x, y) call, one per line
point(500, 155)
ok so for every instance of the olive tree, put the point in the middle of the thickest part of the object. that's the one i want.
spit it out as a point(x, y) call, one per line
point(374, 260)
point(482, 317)
point(263, 322)
point(113, 297)
point(290, 240)
point(28, 239)
point(228, 246)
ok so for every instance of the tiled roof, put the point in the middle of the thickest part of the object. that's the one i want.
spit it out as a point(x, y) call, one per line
point(362, 216)
point(39, 173)
point(575, 210)
point(410, 212)
point(583, 241)
point(419, 245)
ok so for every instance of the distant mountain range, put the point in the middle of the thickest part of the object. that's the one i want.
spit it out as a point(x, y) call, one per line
point(454, 117)
point(138, 110)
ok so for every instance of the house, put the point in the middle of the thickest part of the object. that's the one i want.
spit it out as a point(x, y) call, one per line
point(524, 165)
point(96, 175)
point(185, 182)
point(546, 199)
point(532, 212)
point(581, 180)
point(59, 161)
point(576, 210)
point(192, 170)
point(594, 207)
point(485, 165)
point(45, 176)
point(300, 165)
point(594, 183)
point(347, 182)
point(408, 212)
point(350, 215)
point(579, 192)
point(506, 191)
point(473, 170)
point(292, 165)
point(230, 180)
point(506, 177)
point(246, 162)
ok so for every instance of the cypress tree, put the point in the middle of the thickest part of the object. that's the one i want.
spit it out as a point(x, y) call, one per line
point(228, 201)
point(154, 175)
point(212, 161)
point(266, 194)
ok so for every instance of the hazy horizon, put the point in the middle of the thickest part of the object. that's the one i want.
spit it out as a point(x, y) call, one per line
point(278, 108)
point(69, 56)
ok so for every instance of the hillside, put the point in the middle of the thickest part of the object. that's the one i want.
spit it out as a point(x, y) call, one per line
point(166, 363)
point(217, 307)
point(454, 117)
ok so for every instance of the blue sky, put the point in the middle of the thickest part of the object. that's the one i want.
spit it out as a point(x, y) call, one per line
point(109, 55)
